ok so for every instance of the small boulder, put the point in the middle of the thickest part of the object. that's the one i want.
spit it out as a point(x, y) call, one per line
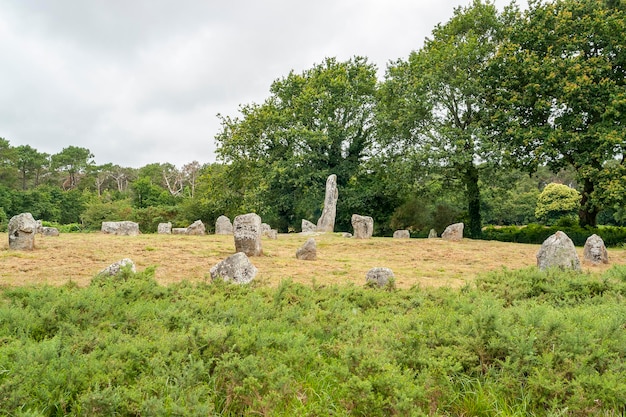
point(247, 234)
point(236, 268)
point(401, 234)
point(115, 268)
point(272, 233)
point(379, 277)
point(363, 226)
point(124, 228)
point(308, 227)
point(196, 228)
point(558, 251)
point(453, 233)
point(346, 234)
point(595, 251)
point(164, 228)
point(432, 234)
point(223, 226)
point(49, 231)
point(308, 251)
point(179, 231)
point(22, 229)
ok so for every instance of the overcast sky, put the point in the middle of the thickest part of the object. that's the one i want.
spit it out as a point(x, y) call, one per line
point(141, 81)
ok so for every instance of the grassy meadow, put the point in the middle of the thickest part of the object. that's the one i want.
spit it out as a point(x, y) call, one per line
point(77, 257)
point(471, 329)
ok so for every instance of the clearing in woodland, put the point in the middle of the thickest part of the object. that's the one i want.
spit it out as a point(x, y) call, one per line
point(78, 257)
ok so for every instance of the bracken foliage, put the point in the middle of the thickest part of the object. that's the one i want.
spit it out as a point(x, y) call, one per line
point(515, 343)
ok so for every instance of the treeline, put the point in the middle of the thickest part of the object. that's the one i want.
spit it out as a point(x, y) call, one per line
point(471, 127)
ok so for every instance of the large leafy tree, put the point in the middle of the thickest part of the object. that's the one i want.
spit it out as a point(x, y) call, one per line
point(559, 93)
point(433, 103)
point(314, 124)
point(74, 161)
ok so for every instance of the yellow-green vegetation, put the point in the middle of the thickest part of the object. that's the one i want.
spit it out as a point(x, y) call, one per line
point(513, 343)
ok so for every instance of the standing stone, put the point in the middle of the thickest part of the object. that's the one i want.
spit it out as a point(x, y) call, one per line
point(453, 233)
point(432, 234)
point(247, 233)
point(308, 251)
point(265, 228)
point(196, 228)
point(115, 268)
point(22, 229)
point(378, 276)
point(558, 251)
point(49, 231)
point(39, 226)
point(125, 228)
point(236, 268)
point(326, 222)
point(595, 251)
point(179, 231)
point(223, 226)
point(401, 234)
point(308, 227)
point(164, 228)
point(363, 226)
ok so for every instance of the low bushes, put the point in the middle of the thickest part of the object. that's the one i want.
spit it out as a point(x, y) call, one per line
point(535, 233)
point(515, 343)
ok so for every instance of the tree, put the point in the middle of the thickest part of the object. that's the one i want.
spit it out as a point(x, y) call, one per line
point(433, 103)
point(30, 164)
point(314, 124)
point(7, 163)
point(73, 160)
point(559, 92)
point(556, 201)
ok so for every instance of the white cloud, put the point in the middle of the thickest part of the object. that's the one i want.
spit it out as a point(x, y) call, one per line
point(141, 81)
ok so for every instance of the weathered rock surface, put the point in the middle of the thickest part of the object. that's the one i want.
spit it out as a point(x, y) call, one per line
point(454, 232)
point(179, 231)
point(363, 226)
point(196, 228)
point(595, 251)
point(115, 268)
point(558, 251)
point(223, 226)
point(49, 231)
point(265, 228)
point(378, 276)
point(247, 233)
point(308, 251)
point(432, 234)
point(326, 222)
point(22, 229)
point(308, 227)
point(346, 234)
point(125, 228)
point(236, 268)
point(164, 228)
point(401, 234)
point(272, 233)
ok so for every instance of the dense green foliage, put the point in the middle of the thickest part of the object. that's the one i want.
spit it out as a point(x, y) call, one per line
point(468, 128)
point(555, 202)
point(516, 343)
point(536, 233)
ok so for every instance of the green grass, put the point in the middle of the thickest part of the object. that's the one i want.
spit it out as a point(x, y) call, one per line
point(515, 343)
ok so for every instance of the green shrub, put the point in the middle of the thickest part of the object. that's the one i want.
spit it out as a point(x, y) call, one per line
point(536, 234)
point(557, 201)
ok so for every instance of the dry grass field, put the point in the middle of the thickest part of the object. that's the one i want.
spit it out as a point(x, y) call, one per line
point(425, 262)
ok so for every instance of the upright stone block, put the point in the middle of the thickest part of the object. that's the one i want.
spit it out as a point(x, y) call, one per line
point(22, 229)
point(247, 232)
point(326, 222)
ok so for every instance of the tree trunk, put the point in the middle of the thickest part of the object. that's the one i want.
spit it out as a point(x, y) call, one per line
point(473, 200)
point(588, 213)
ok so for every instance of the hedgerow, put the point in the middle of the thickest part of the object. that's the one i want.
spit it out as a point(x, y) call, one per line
point(514, 343)
point(535, 233)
